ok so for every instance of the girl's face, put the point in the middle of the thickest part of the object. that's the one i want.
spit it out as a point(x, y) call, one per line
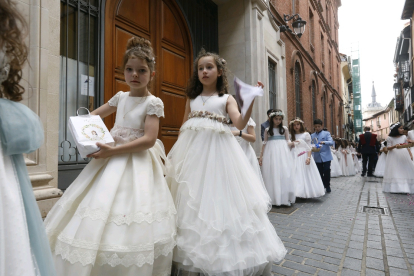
point(137, 74)
point(296, 127)
point(207, 71)
point(277, 120)
point(401, 130)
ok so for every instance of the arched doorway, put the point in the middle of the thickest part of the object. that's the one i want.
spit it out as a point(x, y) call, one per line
point(161, 22)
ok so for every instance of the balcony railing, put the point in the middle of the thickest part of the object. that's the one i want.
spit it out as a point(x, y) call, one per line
point(404, 72)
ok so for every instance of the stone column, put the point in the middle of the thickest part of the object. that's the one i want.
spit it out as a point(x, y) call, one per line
point(41, 82)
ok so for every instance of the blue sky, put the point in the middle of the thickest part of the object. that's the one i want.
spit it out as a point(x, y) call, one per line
point(375, 26)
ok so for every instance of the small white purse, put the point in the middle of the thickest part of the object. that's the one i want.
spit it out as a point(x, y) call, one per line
point(87, 130)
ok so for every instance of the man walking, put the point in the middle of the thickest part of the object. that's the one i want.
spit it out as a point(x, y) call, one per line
point(367, 148)
point(323, 158)
point(265, 124)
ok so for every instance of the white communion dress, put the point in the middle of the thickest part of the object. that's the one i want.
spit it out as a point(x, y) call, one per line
point(380, 167)
point(336, 170)
point(118, 216)
point(343, 161)
point(278, 168)
point(355, 158)
point(248, 149)
point(399, 168)
point(352, 169)
point(222, 223)
point(308, 180)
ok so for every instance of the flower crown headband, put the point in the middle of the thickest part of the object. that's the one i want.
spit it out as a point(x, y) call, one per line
point(278, 113)
point(394, 125)
point(296, 120)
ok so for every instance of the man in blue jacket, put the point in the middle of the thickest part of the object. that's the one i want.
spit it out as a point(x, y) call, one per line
point(323, 158)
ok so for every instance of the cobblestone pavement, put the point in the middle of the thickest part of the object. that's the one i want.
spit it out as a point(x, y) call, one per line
point(333, 236)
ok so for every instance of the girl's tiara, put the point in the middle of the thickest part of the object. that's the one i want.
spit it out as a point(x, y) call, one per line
point(278, 113)
point(296, 120)
point(394, 125)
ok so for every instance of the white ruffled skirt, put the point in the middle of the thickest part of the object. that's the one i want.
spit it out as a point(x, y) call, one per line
point(116, 218)
point(336, 170)
point(398, 173)
point(380, 167)
point(223, 228)
point(308, 180)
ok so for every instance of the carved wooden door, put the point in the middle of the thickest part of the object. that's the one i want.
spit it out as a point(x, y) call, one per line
point(161, 22)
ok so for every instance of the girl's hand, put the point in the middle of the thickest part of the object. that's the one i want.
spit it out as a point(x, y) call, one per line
point(104, 152)
point(307, 161)
point(236, 132)
point(260, 84)
point(260, 161)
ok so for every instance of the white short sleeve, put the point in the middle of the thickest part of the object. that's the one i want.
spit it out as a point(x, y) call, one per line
point(251, 123)
point(115, 99)
point(155, 107)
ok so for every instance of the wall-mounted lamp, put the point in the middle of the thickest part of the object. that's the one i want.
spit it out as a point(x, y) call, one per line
point(298, 25)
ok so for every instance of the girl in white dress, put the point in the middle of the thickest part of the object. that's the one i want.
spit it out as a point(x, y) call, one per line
point(399, 168)
point(222, 223)
point(308, 180)
point(343, 160)
point(24, 247)
point(277, 162)
point(354, 157)
point(380, 167)
point(245, 137)
point(349, 160)
point(118, 216)
point(335, 166)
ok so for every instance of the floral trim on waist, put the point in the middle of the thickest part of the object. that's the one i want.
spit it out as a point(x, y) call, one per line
point(209, 115)
point(123, 135)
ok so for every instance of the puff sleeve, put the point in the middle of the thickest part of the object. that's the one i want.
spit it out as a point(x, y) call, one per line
point(115, 99)
point(155, 107)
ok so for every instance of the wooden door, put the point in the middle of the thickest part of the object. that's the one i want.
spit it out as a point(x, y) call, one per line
point(161, 22)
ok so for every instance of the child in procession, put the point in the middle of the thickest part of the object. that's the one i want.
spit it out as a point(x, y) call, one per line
point(277, 162)
point(118, 216)
point(308, 181)
point(222, 223)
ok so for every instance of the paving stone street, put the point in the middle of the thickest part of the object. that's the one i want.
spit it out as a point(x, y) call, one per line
point(336, 235)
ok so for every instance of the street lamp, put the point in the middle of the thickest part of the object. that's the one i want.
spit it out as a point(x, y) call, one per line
point(298, 25)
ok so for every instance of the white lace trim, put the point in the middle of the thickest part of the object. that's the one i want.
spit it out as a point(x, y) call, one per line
point(156, 107)
point(216, 129)
point(123, 135)
point(87, 256)
point(118, 219)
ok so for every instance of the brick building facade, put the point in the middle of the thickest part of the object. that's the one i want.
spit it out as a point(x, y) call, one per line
point(313, 63)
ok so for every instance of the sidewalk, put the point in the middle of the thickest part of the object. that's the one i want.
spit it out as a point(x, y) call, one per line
point(336, 235)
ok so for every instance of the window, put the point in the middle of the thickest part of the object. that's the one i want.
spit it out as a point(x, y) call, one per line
point(332, 117)
point(358, 123)
point(311, 28)
point(330, 64)
point(385, 116)
point(357, 107)
point(322, 52)
point(272, 84)
point(79, 66)
point(297, 90)
point(313, 91)
point(324, 108)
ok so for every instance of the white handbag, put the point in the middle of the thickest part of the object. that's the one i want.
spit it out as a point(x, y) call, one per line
point(87, 130)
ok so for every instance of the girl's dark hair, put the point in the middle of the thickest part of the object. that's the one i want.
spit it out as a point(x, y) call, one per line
point(394, 131)
point(337, 143)
point(12, 32)
point(385, 143)
point(138, 47)
point(292, 129)
point(195, 87)
point(344, 143)
point(281, 128)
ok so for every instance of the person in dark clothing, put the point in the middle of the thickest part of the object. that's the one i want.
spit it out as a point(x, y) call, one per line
point(368, 147)
point(265, 124)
